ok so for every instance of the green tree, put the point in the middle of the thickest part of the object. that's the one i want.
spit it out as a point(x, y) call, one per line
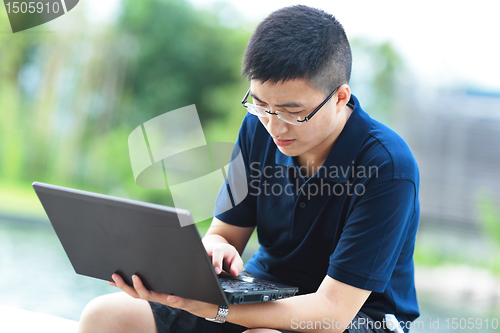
point(70, 99)
point(181, 56)
point(377, 72)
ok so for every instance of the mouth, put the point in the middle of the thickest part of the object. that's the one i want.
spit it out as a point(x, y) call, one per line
point(283, 143)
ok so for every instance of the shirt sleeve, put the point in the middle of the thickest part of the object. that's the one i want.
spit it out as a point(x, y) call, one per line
point(374, 235)
point(235, 204)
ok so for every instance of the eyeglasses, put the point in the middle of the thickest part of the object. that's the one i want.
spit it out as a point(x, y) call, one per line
point(287, 117)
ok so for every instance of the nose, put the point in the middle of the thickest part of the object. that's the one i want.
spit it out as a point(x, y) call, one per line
point(275, 126)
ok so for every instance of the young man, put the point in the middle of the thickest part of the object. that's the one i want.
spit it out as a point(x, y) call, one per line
point(332, 192)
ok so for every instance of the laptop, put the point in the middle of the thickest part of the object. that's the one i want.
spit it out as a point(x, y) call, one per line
point(103, 235)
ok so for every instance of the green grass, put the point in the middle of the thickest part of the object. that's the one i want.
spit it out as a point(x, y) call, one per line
point(19, 198)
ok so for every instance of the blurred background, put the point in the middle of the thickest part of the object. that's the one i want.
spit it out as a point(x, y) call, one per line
point(72, 90)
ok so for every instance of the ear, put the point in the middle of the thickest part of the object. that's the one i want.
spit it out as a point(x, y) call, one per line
point(343, 97)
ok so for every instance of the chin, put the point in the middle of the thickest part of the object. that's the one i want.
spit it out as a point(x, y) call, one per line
point(288, 151)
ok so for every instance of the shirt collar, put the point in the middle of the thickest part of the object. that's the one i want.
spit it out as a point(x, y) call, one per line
point(339, 162)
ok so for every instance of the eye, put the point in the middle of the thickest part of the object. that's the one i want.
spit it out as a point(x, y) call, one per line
point(294, 112)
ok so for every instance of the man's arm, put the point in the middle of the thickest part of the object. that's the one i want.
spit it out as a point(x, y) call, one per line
point(330, 309)
point(225, 243)
point(334, 304)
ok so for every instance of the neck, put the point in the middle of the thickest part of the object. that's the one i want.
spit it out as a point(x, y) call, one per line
point(311, 161)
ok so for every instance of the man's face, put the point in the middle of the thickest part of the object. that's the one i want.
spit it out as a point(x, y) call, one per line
point(311, 139)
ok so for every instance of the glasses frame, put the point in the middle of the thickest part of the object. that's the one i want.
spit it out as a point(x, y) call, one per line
point(277, 113)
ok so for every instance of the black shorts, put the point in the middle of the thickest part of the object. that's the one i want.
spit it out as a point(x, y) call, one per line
point(170, 320)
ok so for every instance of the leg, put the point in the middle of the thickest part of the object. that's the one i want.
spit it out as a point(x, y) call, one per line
point(115, 313)
point(360, 324)
point(174, 320)
point(363, 323)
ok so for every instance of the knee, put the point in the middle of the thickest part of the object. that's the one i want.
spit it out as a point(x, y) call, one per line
point(116, 313)
point(101, 314)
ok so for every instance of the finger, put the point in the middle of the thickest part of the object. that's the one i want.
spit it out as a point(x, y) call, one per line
point(236, 265)
point(143, 292)
point(123, 286)
point(233, 263)
point(217, 259)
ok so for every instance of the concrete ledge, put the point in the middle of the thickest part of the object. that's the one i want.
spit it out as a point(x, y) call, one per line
point(13, 320)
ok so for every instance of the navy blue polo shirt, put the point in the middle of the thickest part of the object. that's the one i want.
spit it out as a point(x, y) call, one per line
point(355, 220)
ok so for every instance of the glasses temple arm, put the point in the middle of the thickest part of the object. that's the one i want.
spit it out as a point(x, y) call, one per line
point(319, 107)
point(245, 98)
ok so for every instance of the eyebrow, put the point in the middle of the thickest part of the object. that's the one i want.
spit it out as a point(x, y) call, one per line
point(286, 105)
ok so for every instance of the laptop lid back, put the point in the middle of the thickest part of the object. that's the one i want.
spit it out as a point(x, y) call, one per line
point(103, 234)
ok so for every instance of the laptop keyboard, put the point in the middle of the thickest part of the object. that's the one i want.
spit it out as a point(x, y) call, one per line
point(239, 285)
point(246, 288)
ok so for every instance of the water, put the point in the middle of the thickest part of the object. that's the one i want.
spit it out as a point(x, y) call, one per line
point(36, 275)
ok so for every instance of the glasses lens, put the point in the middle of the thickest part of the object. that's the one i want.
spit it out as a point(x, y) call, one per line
point(289, 118)
point(256, 110)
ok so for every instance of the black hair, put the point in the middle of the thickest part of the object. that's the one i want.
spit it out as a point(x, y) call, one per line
point(299, 42)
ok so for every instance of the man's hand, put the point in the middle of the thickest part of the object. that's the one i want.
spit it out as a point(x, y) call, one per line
point(139, 291)
point(224, 243)
point(225, 256)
